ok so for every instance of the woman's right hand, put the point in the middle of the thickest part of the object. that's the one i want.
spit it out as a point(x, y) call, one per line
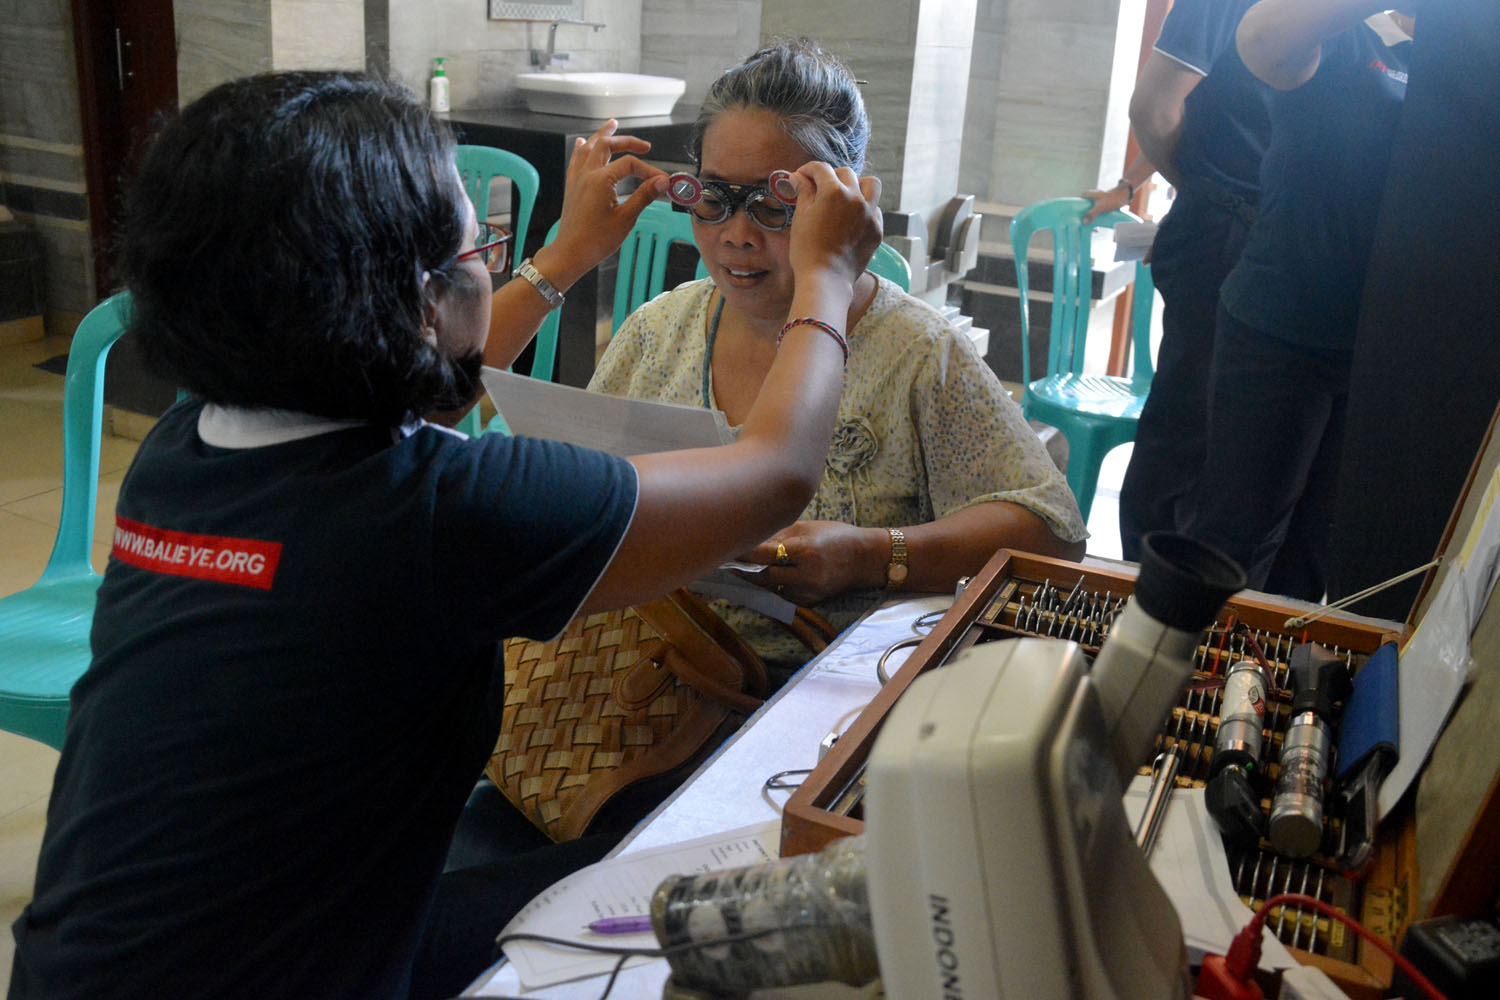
point(838, 222)
point(594, 222)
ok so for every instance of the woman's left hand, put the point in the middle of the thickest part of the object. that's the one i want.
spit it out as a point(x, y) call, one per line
point(818, 560)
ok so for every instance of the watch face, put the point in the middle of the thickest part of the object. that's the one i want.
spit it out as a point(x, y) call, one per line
point(896, 573)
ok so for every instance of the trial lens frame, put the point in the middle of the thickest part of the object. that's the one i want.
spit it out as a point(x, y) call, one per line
point(687, 190)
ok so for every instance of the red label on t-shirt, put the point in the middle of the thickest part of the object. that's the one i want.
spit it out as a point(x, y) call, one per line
point(245, 561)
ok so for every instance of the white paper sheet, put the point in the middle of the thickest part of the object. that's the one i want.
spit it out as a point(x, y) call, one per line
point(619, 887)
point(1133, 239)
point(1435, 661)
point(1429, 677)
point(605, 423)
point(1479, 560)
point(1190, 864)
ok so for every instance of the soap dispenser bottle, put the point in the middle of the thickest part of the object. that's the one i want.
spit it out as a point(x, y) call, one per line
point(437, 87)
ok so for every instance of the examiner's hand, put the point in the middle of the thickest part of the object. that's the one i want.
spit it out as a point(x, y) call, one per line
point(838, 221)
point(594, 221)
point(1105, 201)
point(822, 559)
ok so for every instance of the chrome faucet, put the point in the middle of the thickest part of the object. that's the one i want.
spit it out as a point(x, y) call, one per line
point(546, 60)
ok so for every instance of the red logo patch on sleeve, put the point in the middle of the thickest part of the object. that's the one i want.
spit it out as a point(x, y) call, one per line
point(244, 561)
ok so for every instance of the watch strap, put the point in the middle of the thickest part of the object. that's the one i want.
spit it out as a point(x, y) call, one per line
point(895, 570)
point(527, 271)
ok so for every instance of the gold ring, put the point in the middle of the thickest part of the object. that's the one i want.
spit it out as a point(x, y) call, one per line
point(782, 558)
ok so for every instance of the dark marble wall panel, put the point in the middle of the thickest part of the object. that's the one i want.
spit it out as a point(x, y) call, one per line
point(41, 156)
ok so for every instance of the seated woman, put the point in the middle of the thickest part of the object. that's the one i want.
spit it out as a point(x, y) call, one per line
point(296, 675)
point(932, 466)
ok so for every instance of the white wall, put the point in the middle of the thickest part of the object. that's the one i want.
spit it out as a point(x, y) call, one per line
point(483, 56)
point(696, 40)
point(1040, 120)
point(318, 34)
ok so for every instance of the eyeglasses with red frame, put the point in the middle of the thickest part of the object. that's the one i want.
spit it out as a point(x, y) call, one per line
point(492, 247)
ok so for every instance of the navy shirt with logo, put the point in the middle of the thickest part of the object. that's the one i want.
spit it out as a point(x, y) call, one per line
point(295, 684)
point(1301, 275)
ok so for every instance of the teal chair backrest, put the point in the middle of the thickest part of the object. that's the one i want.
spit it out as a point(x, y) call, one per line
point(1140, 328)
point(642, 273)
point(544, 347)
point(44, 629)
point(83, 422)
point(891, 266)
point(479, 165)
point(1072, 283)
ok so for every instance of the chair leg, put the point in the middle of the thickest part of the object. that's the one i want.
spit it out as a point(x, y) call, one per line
point(44, 723)
point(1085, 455)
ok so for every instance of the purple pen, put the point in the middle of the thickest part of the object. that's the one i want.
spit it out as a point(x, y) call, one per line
point(621, 925)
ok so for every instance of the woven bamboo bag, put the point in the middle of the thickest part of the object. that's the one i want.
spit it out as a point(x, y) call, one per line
point(621, 698)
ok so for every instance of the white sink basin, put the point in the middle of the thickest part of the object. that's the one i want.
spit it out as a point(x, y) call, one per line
point(600, 95)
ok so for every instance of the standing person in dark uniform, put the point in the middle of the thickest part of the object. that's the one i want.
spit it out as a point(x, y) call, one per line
point(1203, 120)
point(1426, 374)
point(1288, 311)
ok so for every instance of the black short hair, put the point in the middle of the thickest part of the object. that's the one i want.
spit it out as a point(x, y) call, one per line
point(275, 245)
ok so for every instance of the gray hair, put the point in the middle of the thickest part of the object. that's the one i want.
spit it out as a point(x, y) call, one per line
point(810, 91)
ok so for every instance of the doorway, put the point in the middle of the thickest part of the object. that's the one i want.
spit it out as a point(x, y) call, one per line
point(127, 75)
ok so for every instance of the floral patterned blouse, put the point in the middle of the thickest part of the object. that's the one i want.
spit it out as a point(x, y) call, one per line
point(924, 427)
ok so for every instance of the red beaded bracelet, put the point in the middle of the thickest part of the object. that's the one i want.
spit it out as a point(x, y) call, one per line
point(827, 328)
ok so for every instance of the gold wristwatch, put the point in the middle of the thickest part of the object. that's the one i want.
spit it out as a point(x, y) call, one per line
point(895, 570)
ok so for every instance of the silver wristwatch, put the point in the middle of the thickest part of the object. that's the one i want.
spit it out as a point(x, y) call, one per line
point(539, 281)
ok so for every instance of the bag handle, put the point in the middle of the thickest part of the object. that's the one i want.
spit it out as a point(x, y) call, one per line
point(815, 631)
point(714, 659)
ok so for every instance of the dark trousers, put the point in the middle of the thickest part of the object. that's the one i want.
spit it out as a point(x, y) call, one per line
point(1275, 434)
point(498, 862)
point(1198, 243)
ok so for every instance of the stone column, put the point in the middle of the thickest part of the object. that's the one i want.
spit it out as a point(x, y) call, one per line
point(219, 41)
point(914, 58)
point(1048, 93)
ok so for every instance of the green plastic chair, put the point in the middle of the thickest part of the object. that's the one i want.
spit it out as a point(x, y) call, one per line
point(44, 630)
point(1096, 413)
point(477, 167)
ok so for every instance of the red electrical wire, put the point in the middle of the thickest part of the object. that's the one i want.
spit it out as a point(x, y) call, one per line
point(1223, 637)
point(1260, 655)
point(1244, 951)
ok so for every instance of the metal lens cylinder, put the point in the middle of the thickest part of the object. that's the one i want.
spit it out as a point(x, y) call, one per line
point(1297, 808)
point(1242, 715)
point(815, 908)
point(684, 189)
point(781, 185)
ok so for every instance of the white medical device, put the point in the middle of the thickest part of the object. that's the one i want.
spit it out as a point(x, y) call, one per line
point(998, 861)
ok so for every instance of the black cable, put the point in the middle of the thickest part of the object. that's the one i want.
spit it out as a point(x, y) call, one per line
point(626, 954)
